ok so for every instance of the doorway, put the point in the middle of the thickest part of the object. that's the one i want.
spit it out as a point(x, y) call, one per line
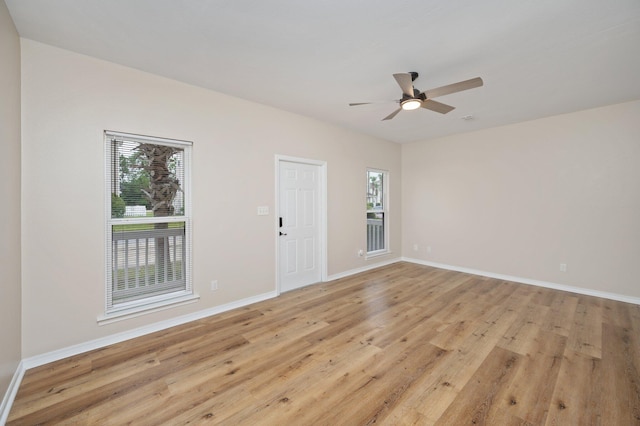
point(301, 222)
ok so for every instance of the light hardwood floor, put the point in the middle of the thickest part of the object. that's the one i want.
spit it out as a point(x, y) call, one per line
point(403, 344)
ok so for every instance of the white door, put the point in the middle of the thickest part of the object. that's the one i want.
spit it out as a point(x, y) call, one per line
point(299, 224)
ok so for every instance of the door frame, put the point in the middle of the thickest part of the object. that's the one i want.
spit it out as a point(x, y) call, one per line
point(322, 212)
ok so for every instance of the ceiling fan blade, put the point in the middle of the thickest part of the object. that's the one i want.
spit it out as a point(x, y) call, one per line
point(436, 106)
point(405, 82)
point(453, 88)
point(369, 103)
point(393, 114)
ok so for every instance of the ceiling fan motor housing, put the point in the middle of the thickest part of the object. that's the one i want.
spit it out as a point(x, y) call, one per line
point(416, 95)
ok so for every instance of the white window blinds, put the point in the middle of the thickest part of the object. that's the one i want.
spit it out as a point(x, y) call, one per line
point(148, 221)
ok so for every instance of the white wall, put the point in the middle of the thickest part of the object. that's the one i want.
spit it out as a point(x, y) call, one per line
point(520, 200)
point(10, 352)
point(69, 99)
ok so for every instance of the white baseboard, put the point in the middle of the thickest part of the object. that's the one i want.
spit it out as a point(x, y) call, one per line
point(59, 354)
point(546, 284)
point(10, 395)
point(363, 269)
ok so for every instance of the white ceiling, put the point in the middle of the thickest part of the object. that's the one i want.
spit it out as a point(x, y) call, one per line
point(537, 58)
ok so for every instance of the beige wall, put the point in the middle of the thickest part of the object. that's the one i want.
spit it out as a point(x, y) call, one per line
point(69, 99)
point(10, 351)
point(522, 199)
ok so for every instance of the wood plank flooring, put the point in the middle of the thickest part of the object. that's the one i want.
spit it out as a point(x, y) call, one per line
point(400, 345)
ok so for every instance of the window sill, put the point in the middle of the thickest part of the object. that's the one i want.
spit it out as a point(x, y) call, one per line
point(137, 311)
point(375, 254)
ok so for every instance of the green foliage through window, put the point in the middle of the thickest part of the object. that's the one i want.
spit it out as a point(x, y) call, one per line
point(117, 206)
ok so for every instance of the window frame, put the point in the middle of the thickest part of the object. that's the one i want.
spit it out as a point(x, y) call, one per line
point(384, 210)
point(125, 309)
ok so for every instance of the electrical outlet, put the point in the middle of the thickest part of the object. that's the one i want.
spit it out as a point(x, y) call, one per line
point(360, 253)
point(415, 247)
point(214, 285)
point(563, 267)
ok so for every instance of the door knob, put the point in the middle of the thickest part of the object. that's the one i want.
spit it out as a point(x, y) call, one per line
point(281, 233)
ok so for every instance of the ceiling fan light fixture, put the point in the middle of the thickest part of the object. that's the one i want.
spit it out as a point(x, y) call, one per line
point(411, 104)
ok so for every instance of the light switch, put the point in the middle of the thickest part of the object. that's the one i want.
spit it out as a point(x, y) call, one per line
point(263, 210)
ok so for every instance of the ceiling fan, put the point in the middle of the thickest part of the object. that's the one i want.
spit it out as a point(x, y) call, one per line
point(412, 98)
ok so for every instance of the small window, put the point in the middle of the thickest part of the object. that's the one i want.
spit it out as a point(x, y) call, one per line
point(377, 216)
point(148, 226)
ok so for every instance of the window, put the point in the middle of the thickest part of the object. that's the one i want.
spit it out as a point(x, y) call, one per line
point(148, 226)
point(377, 212)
